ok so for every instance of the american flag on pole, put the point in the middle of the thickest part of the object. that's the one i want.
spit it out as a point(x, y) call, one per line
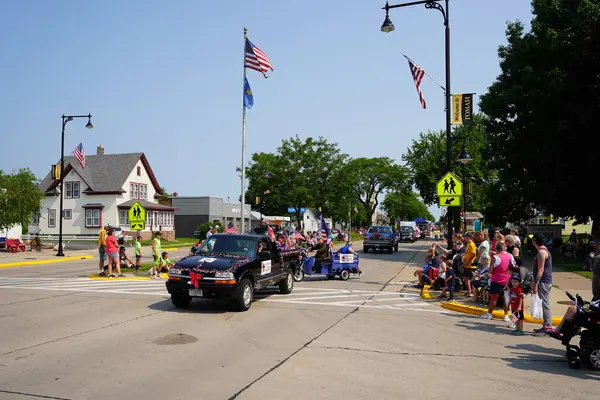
point(417, 74)
point(79, 154)
point(325, 232)
point(257, 60)
point(231, 229)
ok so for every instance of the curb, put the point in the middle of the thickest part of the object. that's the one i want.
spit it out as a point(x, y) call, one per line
point(425, 293)
point(131, 278)
point(498, 314)
point(38, 262)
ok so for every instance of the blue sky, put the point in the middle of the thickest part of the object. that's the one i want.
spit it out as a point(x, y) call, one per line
point(165, 78)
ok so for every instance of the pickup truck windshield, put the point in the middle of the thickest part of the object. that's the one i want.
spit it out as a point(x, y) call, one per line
point(234, 245)
point(386, 230)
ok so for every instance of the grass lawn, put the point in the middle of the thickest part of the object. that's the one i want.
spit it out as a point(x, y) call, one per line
point(178, 242)
point(143, 271)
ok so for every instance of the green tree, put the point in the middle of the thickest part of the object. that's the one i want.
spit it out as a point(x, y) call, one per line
point(370, 177)
point(20, 198)
point(426, 158)
point(405, 206)
point(298, 175)
point(543, 110)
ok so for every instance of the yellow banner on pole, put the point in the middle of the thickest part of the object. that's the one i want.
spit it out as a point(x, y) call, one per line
point(457, 109)
point(462, 109)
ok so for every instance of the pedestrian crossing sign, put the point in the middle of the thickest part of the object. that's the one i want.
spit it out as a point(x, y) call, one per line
point(449, 201)
point(137, 217)
point(449, 185)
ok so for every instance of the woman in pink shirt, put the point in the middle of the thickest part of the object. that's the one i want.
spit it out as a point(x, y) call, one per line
point(500, 277)
point(112, 251)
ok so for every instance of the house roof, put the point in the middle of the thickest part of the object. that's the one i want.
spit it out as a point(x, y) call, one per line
point(104, 173)
point(147, 205)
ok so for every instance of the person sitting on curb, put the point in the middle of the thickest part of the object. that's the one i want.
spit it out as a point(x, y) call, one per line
point(124, 259)
point(422, 274)
point(450, 281)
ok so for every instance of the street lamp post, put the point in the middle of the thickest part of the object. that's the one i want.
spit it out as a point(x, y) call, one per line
point(463, 158)
point(389, 27)
point(65, 119)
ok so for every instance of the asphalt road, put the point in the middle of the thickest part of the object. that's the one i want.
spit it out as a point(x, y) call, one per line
point(65, 337)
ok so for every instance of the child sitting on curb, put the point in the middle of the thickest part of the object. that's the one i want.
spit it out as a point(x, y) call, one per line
point(449, 281)
point(482, 279)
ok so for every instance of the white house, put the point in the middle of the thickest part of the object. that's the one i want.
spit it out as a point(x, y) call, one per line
point(102, 193)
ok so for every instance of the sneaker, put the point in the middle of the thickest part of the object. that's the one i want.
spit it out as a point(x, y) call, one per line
point(518, 332)
point(487, 316)
point(549, 330)
point(121, 276)
point(112, 276)
point(451, 299)
point(540, 332)
point(506, 318)
point(512, 325)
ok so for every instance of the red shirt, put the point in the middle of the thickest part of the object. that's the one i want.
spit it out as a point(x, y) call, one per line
point(515, 295)
point(111, 245)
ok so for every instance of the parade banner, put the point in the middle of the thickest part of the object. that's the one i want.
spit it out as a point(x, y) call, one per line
point(462, 109)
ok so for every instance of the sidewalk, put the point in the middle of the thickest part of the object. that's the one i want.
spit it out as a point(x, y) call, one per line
point(563, 281)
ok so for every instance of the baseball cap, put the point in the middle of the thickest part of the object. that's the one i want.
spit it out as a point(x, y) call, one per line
point(516, 277)
point(468, 234)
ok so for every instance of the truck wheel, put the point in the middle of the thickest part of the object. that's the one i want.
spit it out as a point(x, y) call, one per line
point(299, 274)
point(243, 297)
point(287, 285)
point(181, 300)
point(344, 274)
point(330, 277)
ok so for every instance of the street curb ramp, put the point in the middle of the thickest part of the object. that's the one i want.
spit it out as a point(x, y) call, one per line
point(479, 311)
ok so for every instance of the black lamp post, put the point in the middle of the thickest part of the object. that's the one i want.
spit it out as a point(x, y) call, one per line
point(65, 119)
point(389, 27)
point(464, 157)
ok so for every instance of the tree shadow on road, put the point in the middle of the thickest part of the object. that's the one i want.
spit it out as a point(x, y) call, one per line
point(546, 360)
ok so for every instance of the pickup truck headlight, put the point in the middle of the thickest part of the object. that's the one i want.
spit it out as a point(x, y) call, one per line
point(175, 271)
point(224, 275)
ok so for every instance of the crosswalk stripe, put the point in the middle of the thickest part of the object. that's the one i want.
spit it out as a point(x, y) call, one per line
point(334, 297)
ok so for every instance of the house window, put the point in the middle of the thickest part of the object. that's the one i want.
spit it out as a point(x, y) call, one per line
point(72, 190)
point(149, 218)
point(35, 220)
point(68, 214)
point(134, 190)
point(163, 218)
point(92, 218)
point(144, 192)
point(51, 218)
point(123, 217)
point(139, 171)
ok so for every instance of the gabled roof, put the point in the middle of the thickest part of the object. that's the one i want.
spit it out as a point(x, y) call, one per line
point(104, 173)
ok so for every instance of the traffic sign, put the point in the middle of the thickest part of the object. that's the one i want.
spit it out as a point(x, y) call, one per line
point(449, 185)
point(137, 215)
point(449, 201)
point(137, 226)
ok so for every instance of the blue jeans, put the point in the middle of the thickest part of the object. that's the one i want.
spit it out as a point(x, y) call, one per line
point(544, 294)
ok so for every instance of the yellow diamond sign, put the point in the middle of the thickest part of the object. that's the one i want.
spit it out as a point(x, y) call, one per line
point(137, 214)
point(449, 185)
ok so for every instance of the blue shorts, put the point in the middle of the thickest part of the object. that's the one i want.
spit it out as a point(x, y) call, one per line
point(102, 253)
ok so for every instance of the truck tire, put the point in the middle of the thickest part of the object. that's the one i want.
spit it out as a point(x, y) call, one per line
point(299, 274)
point(344, 274)
point(287, 285)
point(243, 297)
point(181, 300)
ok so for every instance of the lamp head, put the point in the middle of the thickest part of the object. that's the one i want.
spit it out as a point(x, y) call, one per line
point(464, 156)
point(387, 25)
point(89, 124)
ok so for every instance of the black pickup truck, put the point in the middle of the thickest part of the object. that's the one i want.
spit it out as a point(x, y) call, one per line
point(232, 267)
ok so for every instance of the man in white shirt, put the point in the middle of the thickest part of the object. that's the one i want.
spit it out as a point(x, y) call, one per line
point(209, 232)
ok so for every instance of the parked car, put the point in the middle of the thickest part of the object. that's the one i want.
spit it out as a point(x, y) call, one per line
point(232, 267)
point(408, 234)
point(380, 237)
point(120, 236)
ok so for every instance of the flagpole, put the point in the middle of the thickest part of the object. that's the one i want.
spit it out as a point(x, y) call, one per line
point(243, 200)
